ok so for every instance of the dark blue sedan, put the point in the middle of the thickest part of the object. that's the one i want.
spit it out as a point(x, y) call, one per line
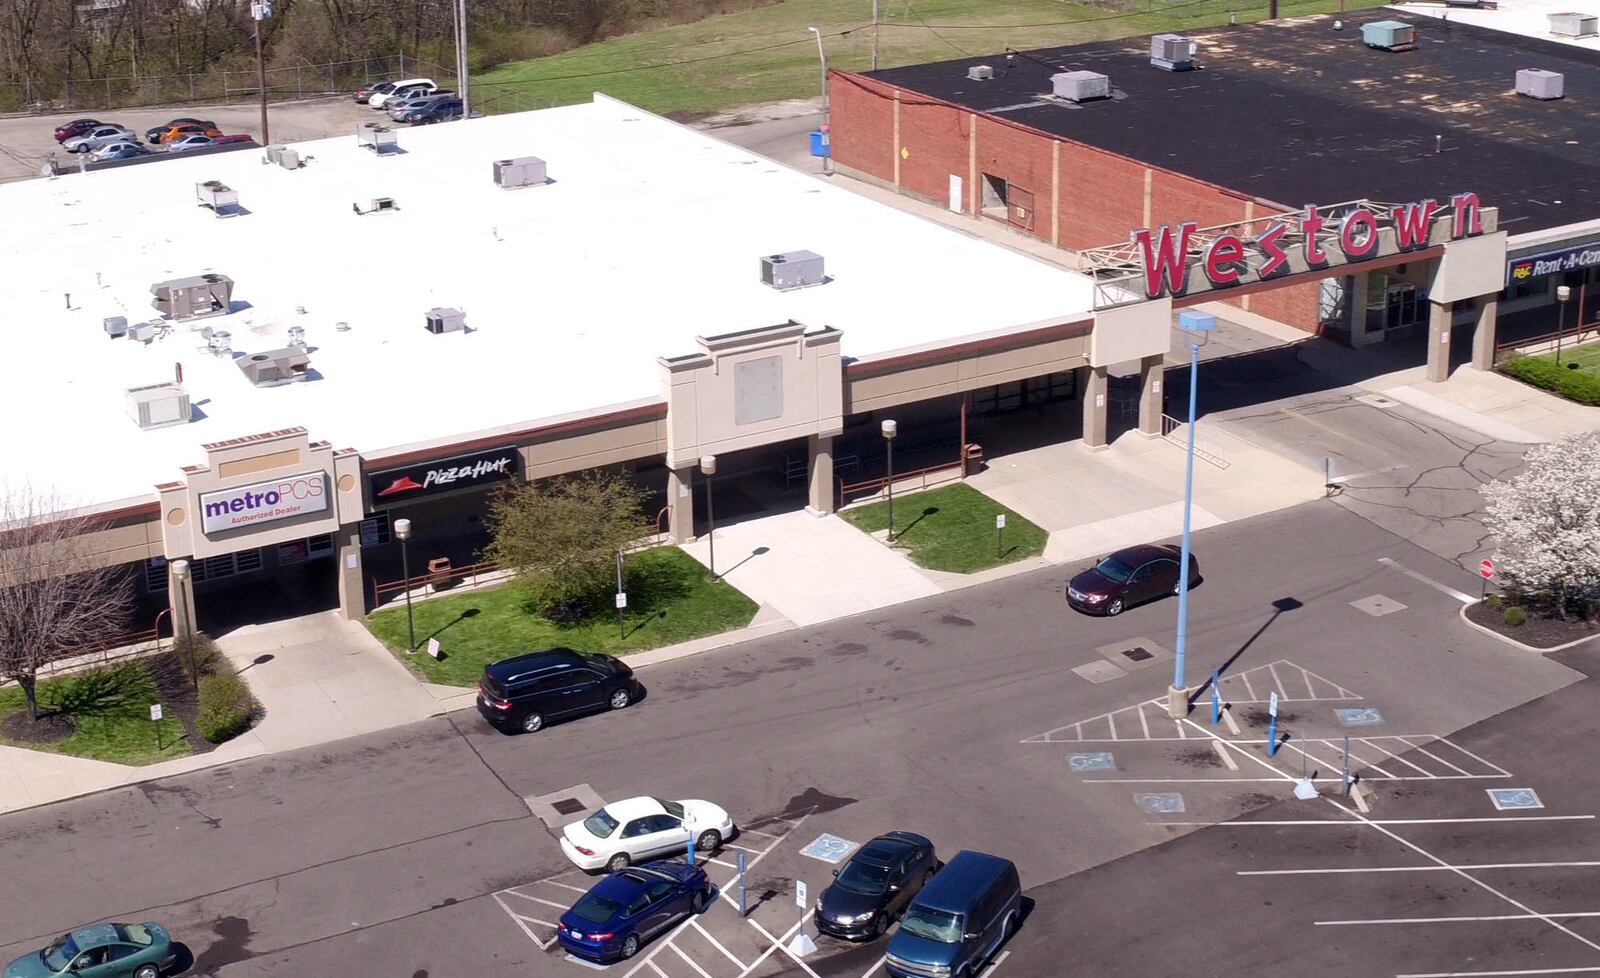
point(624, 910)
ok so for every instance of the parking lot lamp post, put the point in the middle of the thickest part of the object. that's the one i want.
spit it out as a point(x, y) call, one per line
point(402, 532)
point(1563, 293)
point(890, 429)
point(708, 466)
point(827, 128)
point(260, 10)
point(1178, 696)
point(180, 573)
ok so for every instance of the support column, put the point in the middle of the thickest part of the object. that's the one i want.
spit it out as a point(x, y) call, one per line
point(1358, 309)
point(1439, 341)
point(1483, 335)
point(680, 504)
point(1094, 408)
point(1152, 370)
point(352, 582)
point(819, 469)
point(180, 598)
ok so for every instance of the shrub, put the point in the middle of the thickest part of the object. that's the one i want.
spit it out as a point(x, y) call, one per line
point(207, 658)
point(1573, 385)
point(1493, 601)
point(1514, 616)
point(226, 707)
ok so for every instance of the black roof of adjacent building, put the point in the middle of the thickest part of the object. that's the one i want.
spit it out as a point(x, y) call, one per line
point(1296, 112)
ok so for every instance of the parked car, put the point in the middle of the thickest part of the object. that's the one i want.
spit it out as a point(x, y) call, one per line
point(117, 151)
point(76, 127)
point(172, 134)
point(376, 88)
point(1129, 577)
point(873, 888)
point(624, 910)
point(98, 137)
point(959, 920)
point(409, 86)
point(638, 829)
point(154, 133)
point(527, 691)
point(444, 110)
point(398, 107)
point(100, 951)
point(238, 137)
point(191, 141)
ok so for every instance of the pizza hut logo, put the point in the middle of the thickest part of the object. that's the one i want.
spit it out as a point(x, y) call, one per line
point(403, 484)
point(452, 473)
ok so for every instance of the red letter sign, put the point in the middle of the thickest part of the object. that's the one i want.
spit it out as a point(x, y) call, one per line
point(1358, 234)
point(1411, 224)
point(1277, 259)
point(1166, 263)
point(1221, 256)
point(1310, 224)
point(1467, 220)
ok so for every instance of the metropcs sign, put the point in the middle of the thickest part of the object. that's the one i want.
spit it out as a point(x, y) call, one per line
point(1309, 241)
point(264, 502)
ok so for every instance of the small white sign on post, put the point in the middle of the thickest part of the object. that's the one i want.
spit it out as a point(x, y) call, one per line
point(800, 894)
point(1272, 705)
point(622, 600)
point(155, 711)
point(433, 647)
point(999, 521)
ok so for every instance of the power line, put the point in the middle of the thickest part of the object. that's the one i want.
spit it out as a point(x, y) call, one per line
point(1121, 15)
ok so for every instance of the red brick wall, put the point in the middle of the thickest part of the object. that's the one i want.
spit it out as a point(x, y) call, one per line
point(1022, 159)
point(1102, 197)
point(863, 125)
point(934, 138)
point(1174, 199)
point(1294, 305)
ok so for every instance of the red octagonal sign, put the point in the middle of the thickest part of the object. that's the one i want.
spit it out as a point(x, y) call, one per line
point(1486, 568)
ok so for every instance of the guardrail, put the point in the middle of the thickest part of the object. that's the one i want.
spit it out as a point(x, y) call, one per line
point(1169, 428)
point(875, 485)
point(470, 573)
point(1547, 342)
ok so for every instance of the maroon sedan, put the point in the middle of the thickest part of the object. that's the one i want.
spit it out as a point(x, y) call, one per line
point(1129, 577)
point(76, 127)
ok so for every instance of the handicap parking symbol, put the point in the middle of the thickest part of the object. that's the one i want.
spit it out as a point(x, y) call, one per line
point(1161, 802)
point(1093, 761)
point(1360, 716)
point(1507, 798)
point(828, 848)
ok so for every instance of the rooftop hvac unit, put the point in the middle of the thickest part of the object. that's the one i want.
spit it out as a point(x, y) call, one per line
point(115, 326)
point(1080, 86)
point(220, 343)
point(216, 195)
point(1540, 84)
point(524, 171)
point(1389, 35)
point(193, 298)
point(275, 368)
point(158, 405)
point(446, 321)
point(376, 138)
point(284, 156)
point(142, 332)
point(980, 73)
point(1574, 25)
point(379, 205)
point(792, 270)
point(297, 337)
point(1172, 52)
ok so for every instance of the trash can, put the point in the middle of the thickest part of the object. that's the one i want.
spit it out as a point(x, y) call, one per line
point(820, 143)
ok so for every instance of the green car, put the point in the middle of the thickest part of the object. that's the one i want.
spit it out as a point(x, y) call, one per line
point(100, 951)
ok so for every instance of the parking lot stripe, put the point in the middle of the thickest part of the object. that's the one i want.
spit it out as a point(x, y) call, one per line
point(875, 966)
point(690, 961)
point(769, 835)
point(994, 964)
point(518, 920)
point(566, 886)
point(1397, 757)
point(750, 863)
point(548, 903)
point(1459, 596)
point(718, 945)
point(1145, 724)
point(1222, 752)
point(1327, 780)
point(1480, 760)
point(1340, 823)
point(1446, 920)
point(1433, 755)
point(1272, 668)
point(1247, 687)
point(1502, 974)
point(657, 969)
point(1312, 757)
point(1442, 867)
point(741, 848)
point(784, 946)
point(773, 947)
point(1111, 718)
point(1366, 763)
point(720, 862)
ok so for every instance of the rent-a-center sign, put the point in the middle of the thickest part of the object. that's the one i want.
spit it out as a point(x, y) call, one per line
point(1309, 241)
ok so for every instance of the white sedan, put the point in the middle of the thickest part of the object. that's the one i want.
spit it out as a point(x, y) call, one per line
point(644, 828)
point(99, 136)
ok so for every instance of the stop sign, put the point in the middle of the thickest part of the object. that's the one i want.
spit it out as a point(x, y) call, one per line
point(1486, 568)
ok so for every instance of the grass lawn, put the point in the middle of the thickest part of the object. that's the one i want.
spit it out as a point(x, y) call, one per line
point(1586, 356)
point(765, 54)
point(952, 529)
point(669, 600)
point(110, 714)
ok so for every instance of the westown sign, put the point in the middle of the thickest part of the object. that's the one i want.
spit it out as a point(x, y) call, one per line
point(1190, 259)
point(264, 502)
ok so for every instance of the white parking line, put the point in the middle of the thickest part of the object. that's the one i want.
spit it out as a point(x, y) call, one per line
point(1222, 752)
point(718, 945)
point(875, 966)
point(783, 946)
point(657, 969)
point(730, 845)
point(1446, 920)
point(720, 862)
point(769, 835)
point(1459, 596)
point(688, 960)
point(564, 886)
point(1432, 755)
point(548, 903)
point(773, 947)
point(1502, 974)
point(994, 964)
point(1366, 763)
point(1441, 867)
point(1340, 823)
point(518, 919)
point(1423, 771)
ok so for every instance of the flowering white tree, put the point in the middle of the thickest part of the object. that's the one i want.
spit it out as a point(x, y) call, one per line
point(1548, 520)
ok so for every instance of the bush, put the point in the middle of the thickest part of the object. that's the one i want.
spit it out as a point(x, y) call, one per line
point(1514, 616)
point(1574, 385)
point(226, 707)
point(1493, 601)
point(206, 657)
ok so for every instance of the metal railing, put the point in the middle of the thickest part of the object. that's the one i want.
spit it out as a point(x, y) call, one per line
point(1546, 342)
point(113, 648)
point(471, 573)
point(846, 490)
point(1169, 431)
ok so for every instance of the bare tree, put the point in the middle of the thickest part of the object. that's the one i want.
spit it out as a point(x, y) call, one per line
point(54, 600)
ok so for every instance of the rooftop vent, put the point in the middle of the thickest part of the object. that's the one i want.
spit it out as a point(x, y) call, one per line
point(379, 205)
point(524, 171)
point(1540, 84)
point(115, 326)
point(193, 298)
point(275, 368)
point(142, 332)
point(1080, 86)
point(158, 405)
point(446, 320)
point(377, 138)
point(216, 195)
point(297, 337)
point(1172, 52)
point(1574, 25)
point(1389, 35)
point(792, 270)
point(980, 73)
point(284, 156)
point(219, 342)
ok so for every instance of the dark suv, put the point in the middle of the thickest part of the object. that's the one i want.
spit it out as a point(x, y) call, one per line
point(527, 691)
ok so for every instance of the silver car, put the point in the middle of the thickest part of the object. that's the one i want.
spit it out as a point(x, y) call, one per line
point(118, 151)
point(99, 136)
point(192, 141)
point(398, 107)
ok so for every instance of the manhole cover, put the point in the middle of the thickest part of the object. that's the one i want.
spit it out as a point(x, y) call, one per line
point(568, 806)
point(1377, 605)
point(1098, 672)
point(1138, 653)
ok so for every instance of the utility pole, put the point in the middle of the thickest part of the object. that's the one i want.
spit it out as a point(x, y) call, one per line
point(461, 56)
point(260, 10)
point(874, 35)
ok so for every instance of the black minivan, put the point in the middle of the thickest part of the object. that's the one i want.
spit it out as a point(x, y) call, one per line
point(959, 920)
point(527, 691)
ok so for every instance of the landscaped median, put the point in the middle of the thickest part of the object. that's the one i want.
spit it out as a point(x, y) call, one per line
point(952, 529)
point(1576, 377)
point(671, 599)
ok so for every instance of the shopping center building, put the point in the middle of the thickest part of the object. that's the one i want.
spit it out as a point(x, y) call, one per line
point(254, 361)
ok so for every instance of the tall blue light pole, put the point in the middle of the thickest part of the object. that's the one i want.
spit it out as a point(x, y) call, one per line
point(1178, 696)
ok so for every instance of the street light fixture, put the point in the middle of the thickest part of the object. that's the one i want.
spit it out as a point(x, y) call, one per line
point(827, 127)
point(890, 429)
point(180, 573)
point(1563, 293)
point(260, 10)
point(1178, 697)
point(402, 532)
point(708, 466)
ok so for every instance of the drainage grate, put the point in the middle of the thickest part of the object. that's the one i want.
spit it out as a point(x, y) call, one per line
point(1138, 653)
point(568, 806)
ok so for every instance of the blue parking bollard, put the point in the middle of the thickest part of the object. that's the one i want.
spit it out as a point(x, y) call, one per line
point(742, 911)
point(1216, 700)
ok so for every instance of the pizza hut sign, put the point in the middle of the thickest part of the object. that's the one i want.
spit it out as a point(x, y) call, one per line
point(443, 475)
point(1307, 242)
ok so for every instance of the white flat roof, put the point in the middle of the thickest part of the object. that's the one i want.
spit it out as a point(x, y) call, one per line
point(1528, 18)
point(649, 235)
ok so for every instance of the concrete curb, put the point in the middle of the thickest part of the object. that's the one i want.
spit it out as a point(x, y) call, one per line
point(1520, 645)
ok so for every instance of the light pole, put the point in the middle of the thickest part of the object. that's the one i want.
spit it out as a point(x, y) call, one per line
point(461, 56)
point(890, 429)
point(827, 127)
point(180, 574)
point(708, 466)
point(402, 532)
point(1563, 293)
point(874, 35)
point(1178, 696)
point(260, 10)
